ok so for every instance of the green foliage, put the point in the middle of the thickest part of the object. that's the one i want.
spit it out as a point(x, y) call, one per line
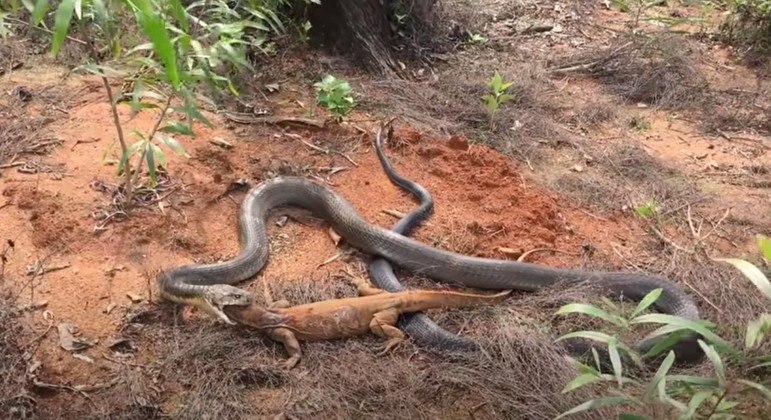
point(497, 95)
point(647, 210)
point(660, 12)
point(335, 94)
point(640, 124)
point(689, 397)
point(186, 47)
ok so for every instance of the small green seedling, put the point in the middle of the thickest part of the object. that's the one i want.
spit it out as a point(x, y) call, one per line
point(335, 94)
point(497, 96)
point(646, 210)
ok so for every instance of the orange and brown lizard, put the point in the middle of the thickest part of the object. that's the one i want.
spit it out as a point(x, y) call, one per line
point(375, 310)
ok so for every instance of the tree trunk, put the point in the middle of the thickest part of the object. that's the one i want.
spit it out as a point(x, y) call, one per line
point(361, 27)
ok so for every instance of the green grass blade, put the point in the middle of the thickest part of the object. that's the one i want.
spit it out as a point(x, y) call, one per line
point(694, 380)
point(591, 335)
point(717, 362)
point(758, 387)
point(154, 27)
point(695, 402)
point(647, 301)
point(150, 156)
point(581, 380)
point(661, 373)
point(595, 404)
point(615, 360)
point(752, 272)
point(685, 323)
point(590, 310)
point(39, 11)
point(764, 243)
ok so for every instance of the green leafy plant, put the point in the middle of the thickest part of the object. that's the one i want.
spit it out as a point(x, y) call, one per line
point(647, 210)
point(640, 124)
point(187, 48)
point(335, 94)
point(302, 31)
point(689, 397)
point(497, 95)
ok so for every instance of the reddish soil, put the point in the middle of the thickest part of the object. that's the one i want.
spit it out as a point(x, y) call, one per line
point(483, 203)
point(486, 204)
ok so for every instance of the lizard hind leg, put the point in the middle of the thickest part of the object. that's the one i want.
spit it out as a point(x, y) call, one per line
point(292, 346)
point(383, 325)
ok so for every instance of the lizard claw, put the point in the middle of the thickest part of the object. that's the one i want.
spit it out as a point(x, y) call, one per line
point(389, 346)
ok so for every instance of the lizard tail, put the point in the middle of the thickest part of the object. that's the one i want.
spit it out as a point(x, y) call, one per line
point(421, 300)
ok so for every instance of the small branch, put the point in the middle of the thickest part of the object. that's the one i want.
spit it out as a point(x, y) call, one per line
point(150, 136)
point(669, 241)
point(42, 29)
point(121, 138)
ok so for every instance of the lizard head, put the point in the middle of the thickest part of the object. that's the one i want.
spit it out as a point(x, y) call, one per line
point(222, 295)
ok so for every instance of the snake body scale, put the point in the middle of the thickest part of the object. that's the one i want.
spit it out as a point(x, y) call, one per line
point(209, 286)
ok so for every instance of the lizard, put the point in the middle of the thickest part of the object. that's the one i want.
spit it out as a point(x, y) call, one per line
point(375, 311)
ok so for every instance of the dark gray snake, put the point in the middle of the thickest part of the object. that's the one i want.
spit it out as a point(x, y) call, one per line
point(417, 325)
point(208, 286)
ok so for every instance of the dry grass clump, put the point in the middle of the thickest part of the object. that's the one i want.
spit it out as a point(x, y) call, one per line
point(625, 174)
point(656, 70)
point(16, 402)
point(216, 372)
point(452, 105)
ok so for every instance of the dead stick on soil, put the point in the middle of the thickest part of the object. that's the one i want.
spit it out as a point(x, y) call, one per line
point(329, 260)
point(669, 241)
point(526, 253)
point(11, 165)
point(77, 142)
point(122, 362)
point(715, 226)
point(38, 338)
point(702, 296)
point(40, 28)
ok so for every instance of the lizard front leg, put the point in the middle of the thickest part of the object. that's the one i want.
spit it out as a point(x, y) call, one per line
point(292, 346)
point(383, 325)
point(270, 303)
point(364, 287)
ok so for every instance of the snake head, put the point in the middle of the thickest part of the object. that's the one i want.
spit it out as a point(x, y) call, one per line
point(218, 296)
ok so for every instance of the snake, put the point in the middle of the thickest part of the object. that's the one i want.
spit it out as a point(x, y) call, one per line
point(417, 325)
point(210, 286)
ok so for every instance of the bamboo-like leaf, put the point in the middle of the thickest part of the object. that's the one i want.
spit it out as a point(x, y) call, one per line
point(130, 150)
point(592, 335)
point(178, 11)
point(752, 273)
point(761, 365)
point(615, 360)
point(154, 27)
point(176, 127)
point(661, 373)
point(150, 156)
point(159, 155)
point(764, 243)
point(685, 323)
point(694, 380)
point(647, 301)
point(174, 145)
point(695, 402)
point(595, 404)
point(581, 380)
point(666, 343)
point(717, 362)
point(39, 11)
point(756, 331)
point(592, 311)
point(758, 387)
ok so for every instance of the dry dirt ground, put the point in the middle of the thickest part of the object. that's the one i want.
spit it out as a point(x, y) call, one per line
point(568, 159)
